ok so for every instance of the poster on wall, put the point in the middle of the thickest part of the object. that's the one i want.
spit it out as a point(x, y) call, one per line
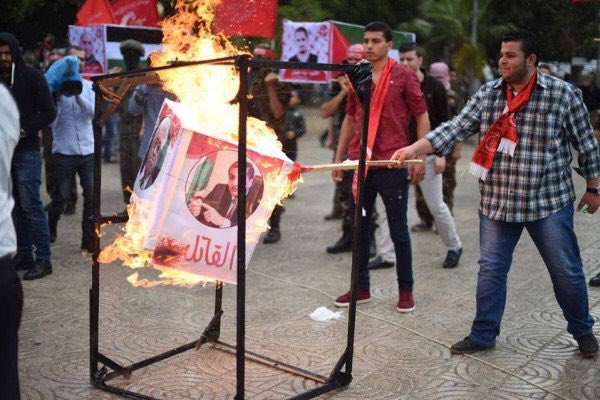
point(188, 184)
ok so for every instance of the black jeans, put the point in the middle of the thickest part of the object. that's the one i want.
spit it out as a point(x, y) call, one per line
point(65, 167)
point(392, 186)
point(11, 306)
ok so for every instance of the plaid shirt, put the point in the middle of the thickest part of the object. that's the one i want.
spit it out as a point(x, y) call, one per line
point(537, 181)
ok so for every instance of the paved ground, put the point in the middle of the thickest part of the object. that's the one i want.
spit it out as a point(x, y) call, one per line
point(396, 356)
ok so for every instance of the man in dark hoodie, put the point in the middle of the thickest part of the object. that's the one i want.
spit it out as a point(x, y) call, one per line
point(36, 108)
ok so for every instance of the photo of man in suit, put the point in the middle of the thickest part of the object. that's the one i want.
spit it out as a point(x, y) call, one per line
point(302, 45)
point(218, 208)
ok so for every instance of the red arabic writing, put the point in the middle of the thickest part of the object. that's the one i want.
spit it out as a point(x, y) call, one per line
point(214, 255)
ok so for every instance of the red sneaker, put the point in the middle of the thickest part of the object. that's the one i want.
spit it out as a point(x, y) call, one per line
point(363, 296)
point(406, 303)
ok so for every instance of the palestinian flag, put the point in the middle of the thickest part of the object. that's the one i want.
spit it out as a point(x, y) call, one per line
point(345, 34)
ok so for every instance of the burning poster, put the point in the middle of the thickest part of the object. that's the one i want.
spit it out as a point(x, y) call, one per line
point(188, 189)
point(306, 42)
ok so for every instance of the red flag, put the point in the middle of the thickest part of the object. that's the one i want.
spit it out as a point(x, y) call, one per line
point(247, 18)
point(136, 12)
point(94, 12)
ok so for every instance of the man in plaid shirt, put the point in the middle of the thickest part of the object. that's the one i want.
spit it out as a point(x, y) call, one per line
point(526, 121)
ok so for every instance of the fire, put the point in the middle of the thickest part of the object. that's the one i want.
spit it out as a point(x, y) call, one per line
point(206, 91)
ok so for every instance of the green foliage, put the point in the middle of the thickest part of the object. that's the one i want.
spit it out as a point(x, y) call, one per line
point(445, 32)
point(31, 20)
point(565, 29)
point(304, 10)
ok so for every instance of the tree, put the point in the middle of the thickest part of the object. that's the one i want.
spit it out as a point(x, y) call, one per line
point(565, 29)
point(445, 32)
point(31, 20)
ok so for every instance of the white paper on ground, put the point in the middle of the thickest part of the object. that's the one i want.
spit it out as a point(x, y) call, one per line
point(323, 314)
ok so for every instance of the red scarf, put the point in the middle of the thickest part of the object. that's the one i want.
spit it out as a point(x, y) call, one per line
point(377, 101)
point(502, 135)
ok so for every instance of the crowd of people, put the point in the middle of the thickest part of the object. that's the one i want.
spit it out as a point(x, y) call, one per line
point(527, 121)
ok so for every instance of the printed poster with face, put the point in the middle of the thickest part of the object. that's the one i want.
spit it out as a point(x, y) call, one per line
point(92, 40)
point(306, 42)
point(189, 184)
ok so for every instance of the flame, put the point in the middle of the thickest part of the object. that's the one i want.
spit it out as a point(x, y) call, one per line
point(207, 91)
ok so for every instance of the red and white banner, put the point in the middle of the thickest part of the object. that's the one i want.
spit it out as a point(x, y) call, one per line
point(256, 18)
point(188, 189)
point(136, 12)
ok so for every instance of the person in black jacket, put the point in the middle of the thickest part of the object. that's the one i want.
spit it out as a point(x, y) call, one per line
point(36, 108)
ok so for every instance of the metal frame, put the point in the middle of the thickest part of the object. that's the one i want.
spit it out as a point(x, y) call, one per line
point(112, 88)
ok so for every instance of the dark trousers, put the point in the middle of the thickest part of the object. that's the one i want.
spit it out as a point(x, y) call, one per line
point(11, 307)
point(110, 130)
point(392, 186)
point(66, 166)
point(49, 169)
point(290, 148)
point(129, 147)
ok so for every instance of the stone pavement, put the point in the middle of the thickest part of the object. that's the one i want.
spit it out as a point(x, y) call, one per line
point(396, 356)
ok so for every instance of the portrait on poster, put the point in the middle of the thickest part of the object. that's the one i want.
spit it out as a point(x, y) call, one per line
point(161, 140)
point(212, 193)
point(305, 42)
point(91, 39)
point(189, 193)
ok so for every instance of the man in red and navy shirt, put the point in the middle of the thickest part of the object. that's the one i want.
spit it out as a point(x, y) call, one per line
point(396, 97)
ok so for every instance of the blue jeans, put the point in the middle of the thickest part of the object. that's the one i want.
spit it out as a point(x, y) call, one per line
point(110, 130)
point(392, 185)
point(65, 167)
point(556, 241)
point(29, 217)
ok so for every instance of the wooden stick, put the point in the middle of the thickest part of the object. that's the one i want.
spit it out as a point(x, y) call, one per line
point(349, 165)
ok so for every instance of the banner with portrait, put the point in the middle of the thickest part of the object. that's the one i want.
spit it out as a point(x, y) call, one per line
point(92, 40)
point(306, 42)
point(101, 44)
point(324, 42)
point(188, 184)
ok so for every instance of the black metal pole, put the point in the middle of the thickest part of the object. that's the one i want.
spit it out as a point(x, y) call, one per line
point(336, 379)
point(218, 309)
point(358, 223)
point(241, 237)
point(95, 290)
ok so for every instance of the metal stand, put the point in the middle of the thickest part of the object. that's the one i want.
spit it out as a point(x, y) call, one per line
point(112, 88)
